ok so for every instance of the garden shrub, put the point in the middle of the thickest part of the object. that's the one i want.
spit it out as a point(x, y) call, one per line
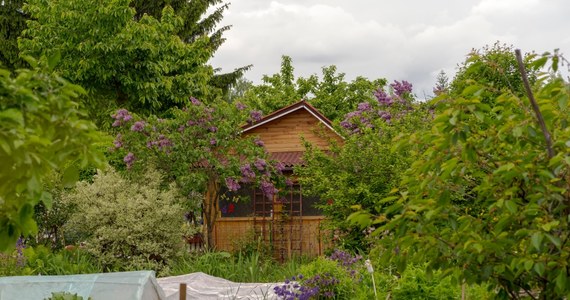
point(125, 224)
point(333, 277)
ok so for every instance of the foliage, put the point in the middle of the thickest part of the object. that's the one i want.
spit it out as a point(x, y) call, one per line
point(494, 154)
point(41, 129)
point(65, 296)
point(332, 277)
point(140, 64)
point(495, 67)
point(200, 18)
point(441, 84)
point(331, 95)
point(127, 224)
point(364, 169)
point(202, 149)
point(12, 23)
point(238, 266)
point(40, 260)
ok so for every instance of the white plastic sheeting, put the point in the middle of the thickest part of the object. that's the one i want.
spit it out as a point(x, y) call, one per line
point(202, 286)
point(138, 285)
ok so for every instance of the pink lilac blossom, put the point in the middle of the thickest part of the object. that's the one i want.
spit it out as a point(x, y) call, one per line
point(259, 142)
point(122, 116)
point(255, 115)
point(280, 167)
point(268, 189)
point(383, 98)
point(240, 106)
point(232, 184)
point(213, 142)
point(138, 126)
point(260, 164)
point(118, 142)
point(195, 101)
point(247, 173)
point(213, 129)
point(401, 88)
point(129, 160)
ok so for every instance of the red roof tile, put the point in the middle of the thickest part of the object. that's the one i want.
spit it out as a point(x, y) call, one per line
point(289, 159)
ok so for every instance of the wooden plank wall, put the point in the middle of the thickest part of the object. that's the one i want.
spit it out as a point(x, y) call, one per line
point(230, 231)
point(284, 134)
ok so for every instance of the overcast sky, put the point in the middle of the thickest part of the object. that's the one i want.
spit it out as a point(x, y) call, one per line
point(398, 39)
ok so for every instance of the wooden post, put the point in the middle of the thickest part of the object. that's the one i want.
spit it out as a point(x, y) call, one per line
point(182, 291)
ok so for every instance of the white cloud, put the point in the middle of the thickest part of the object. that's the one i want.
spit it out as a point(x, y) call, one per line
point(408, 39)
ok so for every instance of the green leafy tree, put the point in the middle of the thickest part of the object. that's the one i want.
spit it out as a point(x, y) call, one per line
point(332, 95)
point(201, 18)
point(12, 23)
point(363, 169)
point(41, 129)
point(123, 62)
point(201, 148)
point(496, 67)
point(516, 171)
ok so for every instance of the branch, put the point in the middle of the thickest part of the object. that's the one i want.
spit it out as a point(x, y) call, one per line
point(535, 107)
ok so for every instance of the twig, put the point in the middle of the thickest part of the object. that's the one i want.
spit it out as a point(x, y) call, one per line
point(535, 107)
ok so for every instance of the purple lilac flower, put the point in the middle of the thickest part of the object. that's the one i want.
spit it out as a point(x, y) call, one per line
point(259, 142)
point(385, 115)
point(240, 106)
point(118, 142)
point(195, 101)
point(268, 189)
point(232, 184)
point(213, 142)
point(181, 128)
point(247, 173)
point(129, 160)
point(383, 98)
point(121, 116)
point(163, 142)
point(260, 164)
point(280, 167)
point(364, 106)
point(255, 115)
point(213, 129)
point(288, 182)
point(138, 126)
point(401, 88)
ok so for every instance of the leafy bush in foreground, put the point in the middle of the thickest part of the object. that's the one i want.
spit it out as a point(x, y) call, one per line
point(127, 225)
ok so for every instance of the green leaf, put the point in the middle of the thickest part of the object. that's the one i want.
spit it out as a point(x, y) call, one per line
point(528, 265)
point(561, 280)
point(70, 176)
point(53, 59)
point(47, 199)
point(14, 115)
point(536, 240)
point(554, 240)
point(539, 268)
point(511, 206)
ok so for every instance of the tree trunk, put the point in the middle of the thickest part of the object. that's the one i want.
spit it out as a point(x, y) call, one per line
point(211, 209)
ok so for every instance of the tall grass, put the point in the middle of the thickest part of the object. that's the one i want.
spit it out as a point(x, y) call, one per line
point(237, 267)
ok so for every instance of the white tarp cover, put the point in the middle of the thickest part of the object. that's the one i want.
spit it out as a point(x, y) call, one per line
point(138, 285)
point(202, 286)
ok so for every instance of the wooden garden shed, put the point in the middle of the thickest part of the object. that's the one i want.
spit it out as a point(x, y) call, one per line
point(290, 224)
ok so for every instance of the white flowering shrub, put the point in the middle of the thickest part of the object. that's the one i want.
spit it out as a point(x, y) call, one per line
point(127, 225)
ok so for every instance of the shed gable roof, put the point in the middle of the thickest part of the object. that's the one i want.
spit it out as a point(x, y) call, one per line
point(280, 113)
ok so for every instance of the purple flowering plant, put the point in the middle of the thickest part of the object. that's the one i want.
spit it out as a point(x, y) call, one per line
point(333, 277)
point(380, 111)
point(201, 147)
